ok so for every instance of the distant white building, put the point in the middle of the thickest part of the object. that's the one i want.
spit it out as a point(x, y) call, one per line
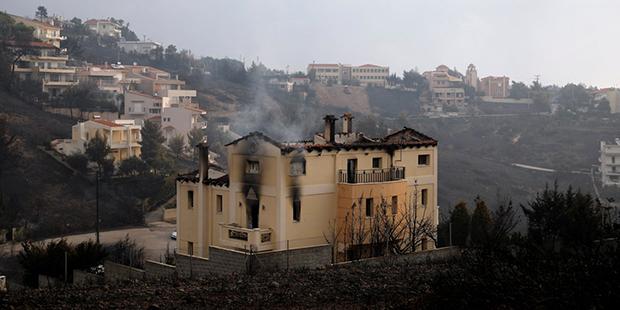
point(104, 27)
point(610, 163)
point(138, 47)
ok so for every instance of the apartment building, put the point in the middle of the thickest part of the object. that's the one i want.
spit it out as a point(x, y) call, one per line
point(495, 86)
point(123, 138)
point(446, 88)
point(175, 110)
point(365, 75)
point(150, 80)
point(106, 78)
point(609, 161)
point(46, 63)
point(288, 195)
point(46, 32)
point(104, 27)
point(138, 47)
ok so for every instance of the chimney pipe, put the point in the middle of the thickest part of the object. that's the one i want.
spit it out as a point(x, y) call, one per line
point(203, 166)
point(347, 123)
point(330, 128)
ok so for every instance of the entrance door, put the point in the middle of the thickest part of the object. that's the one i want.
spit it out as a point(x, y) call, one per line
point(252, 213)
point(351, 168)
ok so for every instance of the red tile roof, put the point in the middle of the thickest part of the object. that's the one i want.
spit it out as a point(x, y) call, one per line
point(370, 65)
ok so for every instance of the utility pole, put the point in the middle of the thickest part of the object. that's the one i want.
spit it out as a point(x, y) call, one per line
point(97, 205)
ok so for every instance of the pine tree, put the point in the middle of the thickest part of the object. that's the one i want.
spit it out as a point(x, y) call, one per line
point(460, 224)
point(176, 145)
point(480, 223)
point(97, 149)
point(152, 139)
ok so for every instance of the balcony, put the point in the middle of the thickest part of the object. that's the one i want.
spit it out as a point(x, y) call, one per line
point(49, 83)
point(257, 239)
point(371, 175)
point(65, 70)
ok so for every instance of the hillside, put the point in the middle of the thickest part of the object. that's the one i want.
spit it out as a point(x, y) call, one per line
point(351, 98)
point(476, 155)
point(44, 195)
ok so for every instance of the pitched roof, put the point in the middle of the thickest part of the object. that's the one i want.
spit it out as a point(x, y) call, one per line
point(371, 65)
point(106, 122)
point(257, 134)
point(404, 138)
point(95, 21)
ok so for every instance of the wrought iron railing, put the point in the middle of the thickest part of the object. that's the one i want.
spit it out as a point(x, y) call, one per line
point(371, 175)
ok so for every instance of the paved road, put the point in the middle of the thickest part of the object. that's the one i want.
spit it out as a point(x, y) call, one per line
point(155, 238)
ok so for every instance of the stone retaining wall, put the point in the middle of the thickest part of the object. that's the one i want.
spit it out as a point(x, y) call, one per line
point(86, 278)
point(157, 270)
point(118, 272)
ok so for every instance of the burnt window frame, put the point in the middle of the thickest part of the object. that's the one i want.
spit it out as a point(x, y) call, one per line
point(294, 161)
point(249, 163)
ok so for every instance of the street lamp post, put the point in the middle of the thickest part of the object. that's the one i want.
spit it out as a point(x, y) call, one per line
point(97, 205)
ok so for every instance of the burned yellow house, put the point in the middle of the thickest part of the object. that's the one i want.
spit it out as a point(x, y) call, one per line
point(328, 190)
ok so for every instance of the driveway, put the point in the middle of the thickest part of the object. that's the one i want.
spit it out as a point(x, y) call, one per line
point(155, 239)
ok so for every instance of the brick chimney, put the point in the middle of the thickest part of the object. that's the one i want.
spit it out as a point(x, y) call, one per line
point(347, 123)
point(330, 128)
point(203, 160)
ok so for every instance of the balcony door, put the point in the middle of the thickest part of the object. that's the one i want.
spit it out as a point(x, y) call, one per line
point(252, 213)
point(351, 168)
point(252, 210)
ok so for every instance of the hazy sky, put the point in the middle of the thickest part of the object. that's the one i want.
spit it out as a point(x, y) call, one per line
point(563, 41)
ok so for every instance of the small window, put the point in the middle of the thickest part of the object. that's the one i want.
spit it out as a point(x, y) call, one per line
point(424, 160)
point(296, 210)
point(369, 207)
point(298, 167)
point(424, 197)
point(190, 248)
point(376, 163)
point(219, 203)
point(394, 204)
point(613, 159)
point(190, 199)
point(252, 167)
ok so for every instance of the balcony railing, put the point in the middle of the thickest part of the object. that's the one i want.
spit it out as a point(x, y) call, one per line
point(371, 175)
point(256, 239)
